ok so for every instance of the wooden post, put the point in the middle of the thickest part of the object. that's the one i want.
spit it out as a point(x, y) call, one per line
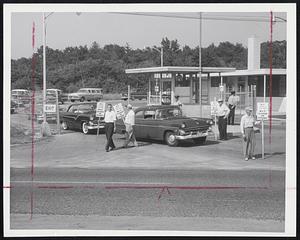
point(57, 113)
point(128, 95)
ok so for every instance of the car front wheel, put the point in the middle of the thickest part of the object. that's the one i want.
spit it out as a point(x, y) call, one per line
point(200, 140)
point(82, 99)
point(170, 139)
point(84, 128)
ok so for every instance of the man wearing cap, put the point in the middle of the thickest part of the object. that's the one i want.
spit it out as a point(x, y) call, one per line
point(129, 123)
point(247, 124)
point(232, 102)
point(222, 114)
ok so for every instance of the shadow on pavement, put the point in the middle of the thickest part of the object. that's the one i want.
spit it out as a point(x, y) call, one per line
point(268, 155)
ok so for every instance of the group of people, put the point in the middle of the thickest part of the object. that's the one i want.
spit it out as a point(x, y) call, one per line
point(110, 119)
point(225, 115)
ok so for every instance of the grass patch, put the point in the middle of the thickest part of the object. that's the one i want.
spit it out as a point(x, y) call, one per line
point(111, 96)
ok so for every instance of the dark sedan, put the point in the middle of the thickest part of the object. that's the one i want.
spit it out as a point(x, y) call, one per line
point(81, 116)
point(168, 124)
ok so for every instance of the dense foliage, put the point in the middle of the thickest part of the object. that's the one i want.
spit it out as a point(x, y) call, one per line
point(93, 66)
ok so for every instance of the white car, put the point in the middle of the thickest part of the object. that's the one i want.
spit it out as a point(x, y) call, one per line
point(86, 94)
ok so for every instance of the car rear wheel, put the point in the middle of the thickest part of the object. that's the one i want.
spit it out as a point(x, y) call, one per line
point(200, 140)
point(64, 125)
point(82, 99)
point(72, 100)
point(170, 139)
point(84, 128)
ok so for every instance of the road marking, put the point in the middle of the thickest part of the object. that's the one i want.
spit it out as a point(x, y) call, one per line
point(71, 182)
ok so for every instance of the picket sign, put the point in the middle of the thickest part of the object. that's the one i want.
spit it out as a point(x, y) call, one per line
point(100, 112)
point(119, 110)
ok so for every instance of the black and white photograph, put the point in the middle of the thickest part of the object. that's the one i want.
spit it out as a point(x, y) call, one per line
point(149, 119)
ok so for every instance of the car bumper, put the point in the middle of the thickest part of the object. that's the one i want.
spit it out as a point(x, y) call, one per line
point(191, 136)
point(95, 126)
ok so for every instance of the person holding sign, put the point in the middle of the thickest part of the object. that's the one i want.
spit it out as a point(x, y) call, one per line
point(222, 114)
point(247, 129)
point(110, 127)
point(129, 123)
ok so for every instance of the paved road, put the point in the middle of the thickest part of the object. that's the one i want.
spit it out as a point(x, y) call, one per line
point(210, 198)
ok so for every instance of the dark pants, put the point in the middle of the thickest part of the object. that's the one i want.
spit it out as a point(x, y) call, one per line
point(231, 114)
point(109, 131)
point(222, 124)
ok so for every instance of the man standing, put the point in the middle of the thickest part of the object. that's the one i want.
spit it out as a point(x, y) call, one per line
point(129, 123)
point(247, 124)
point(232, 102)
point(110, 127)
point(222, 114)
point(177, 101)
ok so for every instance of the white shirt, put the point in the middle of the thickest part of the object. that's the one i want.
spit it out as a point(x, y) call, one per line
point(247, 121)
point(130, 117)
point(178, 103)
point(233, 100)
point(222, 110)
point(110, 117)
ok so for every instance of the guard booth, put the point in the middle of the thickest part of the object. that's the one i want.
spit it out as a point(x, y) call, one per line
point(164, 83)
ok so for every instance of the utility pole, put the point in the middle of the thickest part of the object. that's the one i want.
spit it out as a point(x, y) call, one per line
point(200, 63)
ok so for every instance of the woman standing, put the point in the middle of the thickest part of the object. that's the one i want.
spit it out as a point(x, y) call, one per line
point(247, 129)
point(110, 127)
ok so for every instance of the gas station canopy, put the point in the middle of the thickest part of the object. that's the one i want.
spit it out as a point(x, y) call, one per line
point(180, 69)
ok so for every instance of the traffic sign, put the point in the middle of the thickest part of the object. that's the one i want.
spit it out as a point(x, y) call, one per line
point(119, 111)
point(49, 108)
point(221, 88)
point(262, 112)
point(100, 110)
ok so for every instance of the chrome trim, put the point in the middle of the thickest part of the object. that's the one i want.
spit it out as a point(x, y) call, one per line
point(190, 136)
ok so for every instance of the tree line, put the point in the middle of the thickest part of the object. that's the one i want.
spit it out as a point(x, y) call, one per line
point(75, 67)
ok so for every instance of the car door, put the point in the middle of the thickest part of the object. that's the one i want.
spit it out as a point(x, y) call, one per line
point(138, 127)
point(147, 125)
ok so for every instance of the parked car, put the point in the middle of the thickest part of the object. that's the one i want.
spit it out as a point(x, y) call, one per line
point(82, 116)
point(13, 106)
point(21, 96)
point(86, 94)
point(168, 124)
point(62, 97)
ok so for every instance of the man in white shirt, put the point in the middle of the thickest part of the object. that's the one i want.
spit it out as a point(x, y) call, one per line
point(247, 124)
point(177, 101)
point(222, 114)
point(129, 123)
point(232, 102)
point(110, 127)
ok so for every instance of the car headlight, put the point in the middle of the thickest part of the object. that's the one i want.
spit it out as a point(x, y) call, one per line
point(181, 132)
point(91, 118)
point(209, 122)
point(183, 125)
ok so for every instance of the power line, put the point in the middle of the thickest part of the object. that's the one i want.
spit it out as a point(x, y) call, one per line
point(239, 18)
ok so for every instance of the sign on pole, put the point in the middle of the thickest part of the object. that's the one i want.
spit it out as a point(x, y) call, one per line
point(156, 88)
point(221, 88)
point(50, 108)
point(119, 111)
point(213, 112)
point(100, 110)
point(262, 112)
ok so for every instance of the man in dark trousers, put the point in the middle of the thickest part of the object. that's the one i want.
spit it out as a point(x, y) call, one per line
point(110, 127)
point(232, 102)
point(222, 114)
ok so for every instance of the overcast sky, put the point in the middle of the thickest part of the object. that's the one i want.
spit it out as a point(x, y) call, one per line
point(69, 29)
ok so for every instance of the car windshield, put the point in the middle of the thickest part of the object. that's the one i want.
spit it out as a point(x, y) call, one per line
point(86, 108)
point(168, 113)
